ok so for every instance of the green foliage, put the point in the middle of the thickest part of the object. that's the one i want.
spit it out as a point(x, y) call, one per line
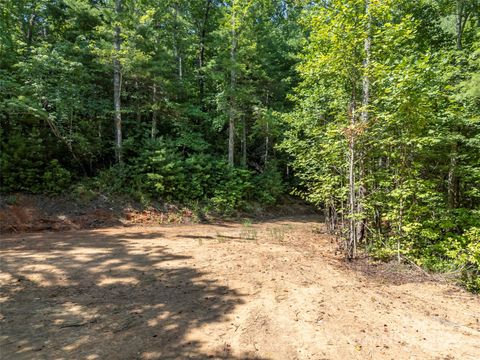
point(464, 252)
point(55, 179)
point(25, 166)
point(416, 169)
point(291, 76)
point(162, 172)
point(268, 185)
point(175, 56)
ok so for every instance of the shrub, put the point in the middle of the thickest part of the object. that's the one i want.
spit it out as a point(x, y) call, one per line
point(24, 168)
point(55, 178)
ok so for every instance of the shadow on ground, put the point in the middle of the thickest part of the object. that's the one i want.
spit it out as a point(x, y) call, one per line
point(93, 295)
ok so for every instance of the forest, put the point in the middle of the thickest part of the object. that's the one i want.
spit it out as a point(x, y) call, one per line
point(367, 109)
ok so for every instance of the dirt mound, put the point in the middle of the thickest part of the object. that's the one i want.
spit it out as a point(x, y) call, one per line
point(38, 213)
point(30, 213)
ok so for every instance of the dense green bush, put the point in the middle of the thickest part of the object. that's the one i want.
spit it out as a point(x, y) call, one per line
point(161, 172)
point(269, 185)
point(449, 243)
point(55, 178)
point(25, 166)
point(465, 254)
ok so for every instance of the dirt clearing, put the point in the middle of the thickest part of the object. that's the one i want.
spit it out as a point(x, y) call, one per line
point(272, 290)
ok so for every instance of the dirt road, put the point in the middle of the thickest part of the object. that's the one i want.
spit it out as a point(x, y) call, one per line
point(273, 290)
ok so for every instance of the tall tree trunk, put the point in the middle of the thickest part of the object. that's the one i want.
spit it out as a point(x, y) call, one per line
point(117, 85)
point(267, 140)
point(366, 66)
point(459, 23)
point(364, 115)
point(267, 134)
point(352, 201)
point(453, 190)
point(201, 56)
point(352, 241)
point(452, 180)
point(244, 142)
point(233, 83)
point(176, 45)
point(137, 100)
point(154, 110)
point(30, 27)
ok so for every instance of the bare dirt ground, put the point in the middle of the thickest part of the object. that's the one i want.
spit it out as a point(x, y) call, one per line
point(272, 290)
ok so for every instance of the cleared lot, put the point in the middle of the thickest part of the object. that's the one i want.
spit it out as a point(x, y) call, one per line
point(272, 290)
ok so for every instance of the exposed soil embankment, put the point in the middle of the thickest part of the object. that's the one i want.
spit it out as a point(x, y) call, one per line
point(31, 213)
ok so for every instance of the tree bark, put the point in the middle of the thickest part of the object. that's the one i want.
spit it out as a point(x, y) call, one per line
point(30, 28)
point(267, 133)
point(233, 83)
point(154, 111)
point(364, 115)
point(366, 65)
point(244, 142)
point(267, 141)
point(459, 23)
point(452, 180)
point(117, 85)
point(463, 13)
point(201, 56)
point(352, 201)
point(137, 100)
point(352, 241)
point(176, 45)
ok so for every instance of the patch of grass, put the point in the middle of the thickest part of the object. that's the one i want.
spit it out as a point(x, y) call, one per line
point(11, 200)
point(276, 233)
point(248, 232)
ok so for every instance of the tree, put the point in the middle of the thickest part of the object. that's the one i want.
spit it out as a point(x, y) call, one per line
point(117, 83)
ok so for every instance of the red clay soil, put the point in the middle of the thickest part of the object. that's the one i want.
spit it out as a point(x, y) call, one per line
point(30, 213)
point(271, 290)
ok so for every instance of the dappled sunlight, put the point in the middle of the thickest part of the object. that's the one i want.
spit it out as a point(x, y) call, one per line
point(70, 313)
point(96, 287)
point(113, 280)
point(44, 274)
point(5, 278)
point(74, 346)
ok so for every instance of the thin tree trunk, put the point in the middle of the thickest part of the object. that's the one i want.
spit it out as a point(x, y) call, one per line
point(364, 119)
point(244, 142)
point(201, 57)
point(452, 180)
point(267, 140)
point(117, 86)
point(352, 201)
point(178, 55)
point(458, 23)
point(267, 135)
point(400, 230)
point(154, 111)
point(137, 101)
point(233, 83)
point(30, 26)
point(352, 242)
point(366, 66)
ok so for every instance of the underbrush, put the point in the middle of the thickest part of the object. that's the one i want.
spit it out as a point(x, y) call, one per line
point(202, 182)
point(454, 251)
point(159, 172)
